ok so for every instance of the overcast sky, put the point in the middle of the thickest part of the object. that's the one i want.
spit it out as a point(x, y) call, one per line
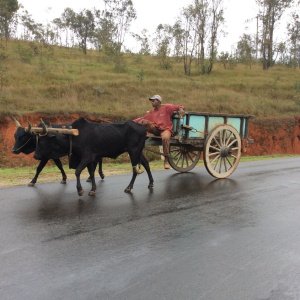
point(150, 13)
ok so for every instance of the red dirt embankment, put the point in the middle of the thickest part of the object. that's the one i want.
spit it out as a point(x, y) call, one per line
point(271, 136)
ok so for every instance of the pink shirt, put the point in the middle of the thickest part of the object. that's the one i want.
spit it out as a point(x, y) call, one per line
point(161, 117)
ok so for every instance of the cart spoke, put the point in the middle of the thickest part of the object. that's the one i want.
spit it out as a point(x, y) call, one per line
point(195, 155)
point(217, 149)
point(235, 140)
point(217, 163)
point(182, 160)
point(220, 165)
point(217, 157)
point(216, 142)
point(225, 166)
point(176, 154)
point(190, 157)
point(228, 138)
point(221, 137)
point(224, 137)
point(229, 162)
point(213, 153)
point(186, 160)
point(179, 158)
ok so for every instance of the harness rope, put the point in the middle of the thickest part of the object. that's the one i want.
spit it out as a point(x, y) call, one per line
point(71, 145)
point(23, 144)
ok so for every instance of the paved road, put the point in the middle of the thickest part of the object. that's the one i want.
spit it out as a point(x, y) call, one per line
point(193, 237)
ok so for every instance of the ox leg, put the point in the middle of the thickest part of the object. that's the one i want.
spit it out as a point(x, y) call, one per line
point(39, 169)
point(91, 168)
point(131, 183)
point(146, 165)
point(60, 166)
point(100, 170)
point(135, 160)
point(78, 171)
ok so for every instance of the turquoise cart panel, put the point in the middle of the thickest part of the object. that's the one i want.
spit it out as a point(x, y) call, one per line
point(235, 123)
point(198, 123)
point(214, 121)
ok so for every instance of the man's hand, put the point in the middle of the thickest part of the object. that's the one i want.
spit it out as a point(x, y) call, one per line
point(181, 112)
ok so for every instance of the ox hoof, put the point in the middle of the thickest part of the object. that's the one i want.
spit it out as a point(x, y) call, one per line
point(150, 186)
point(80, 193)
point(92, 193)
point(102, 176)
point(31, 184)
point(63, 181)
point(128, 189)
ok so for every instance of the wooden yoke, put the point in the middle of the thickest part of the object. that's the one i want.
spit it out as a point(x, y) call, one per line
point(41, 130)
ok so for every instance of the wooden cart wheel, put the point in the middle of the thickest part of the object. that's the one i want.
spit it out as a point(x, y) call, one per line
point(183, 158)
point(222, 151)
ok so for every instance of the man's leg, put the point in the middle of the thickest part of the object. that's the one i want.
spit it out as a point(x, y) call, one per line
point(166, 135)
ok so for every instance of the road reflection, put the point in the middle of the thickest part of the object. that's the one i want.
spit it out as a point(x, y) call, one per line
point(185, 184)
point(60, 207)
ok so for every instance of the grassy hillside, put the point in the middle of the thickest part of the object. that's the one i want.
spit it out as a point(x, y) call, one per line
point(60, 80)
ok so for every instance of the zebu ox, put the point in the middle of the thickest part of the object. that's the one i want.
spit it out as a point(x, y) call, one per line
point(101, 140)
point(26, 141)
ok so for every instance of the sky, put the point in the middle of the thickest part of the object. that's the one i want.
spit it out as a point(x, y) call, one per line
point(151, 13)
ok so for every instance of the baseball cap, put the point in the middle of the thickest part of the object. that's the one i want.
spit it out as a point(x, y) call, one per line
point(156, 97)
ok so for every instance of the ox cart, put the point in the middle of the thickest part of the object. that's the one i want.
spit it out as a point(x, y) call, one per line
point(218, 138)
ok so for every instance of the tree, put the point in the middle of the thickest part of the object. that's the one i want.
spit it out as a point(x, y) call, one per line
point(228, 60)
point(8, 9)
point(163, 41)
point(294, 37)
point(104, 32)
point(177, 38)
point(270, 13)
point(200, 25)
point(281, 53)
point(143, 39)
point(119, 14)
point(189, 21)
point(202, 8)
point(32, 30)
point(216, 12)
point(82, 24)
point(246, 49)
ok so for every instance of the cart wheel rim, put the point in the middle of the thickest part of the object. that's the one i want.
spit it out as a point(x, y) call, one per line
point(183, 158)
point(222, 151)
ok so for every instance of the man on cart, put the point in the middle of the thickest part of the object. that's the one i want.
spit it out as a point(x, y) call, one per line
point(159, 122)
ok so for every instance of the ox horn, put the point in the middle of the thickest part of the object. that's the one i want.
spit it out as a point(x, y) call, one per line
point(45, 130)
point(28, 129)
point(17, 122)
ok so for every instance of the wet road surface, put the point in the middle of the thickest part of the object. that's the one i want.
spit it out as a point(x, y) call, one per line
point(192, 237)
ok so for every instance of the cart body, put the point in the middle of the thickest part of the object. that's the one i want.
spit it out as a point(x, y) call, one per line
point(218, 138)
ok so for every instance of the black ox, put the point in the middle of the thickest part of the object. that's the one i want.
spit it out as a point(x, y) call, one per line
point(96, 141)
point(26, 142)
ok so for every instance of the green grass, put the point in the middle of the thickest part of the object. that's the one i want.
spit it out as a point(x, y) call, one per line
point(21, 176)
point(64, 80)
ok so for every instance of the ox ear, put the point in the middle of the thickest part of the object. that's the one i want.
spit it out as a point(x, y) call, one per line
point(44, 126)
point(17, 122)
